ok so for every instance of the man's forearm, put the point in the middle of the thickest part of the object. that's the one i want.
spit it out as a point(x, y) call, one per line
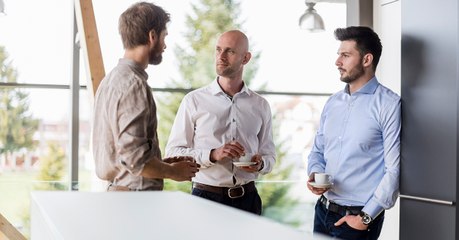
point(155, 168)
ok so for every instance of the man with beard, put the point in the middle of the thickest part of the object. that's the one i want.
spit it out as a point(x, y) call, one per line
point(125, 142)
point(221, 122)
point(357, 143)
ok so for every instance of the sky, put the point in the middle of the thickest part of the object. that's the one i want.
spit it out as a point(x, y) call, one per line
point(38, 37)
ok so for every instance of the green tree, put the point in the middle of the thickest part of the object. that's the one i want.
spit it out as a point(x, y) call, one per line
point(197, 67)
point(52, 168)
point(17, 126)
point(278, 204)
point(196, 61)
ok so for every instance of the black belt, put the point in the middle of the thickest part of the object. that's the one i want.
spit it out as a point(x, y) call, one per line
point(231, 192)
point(341, 210)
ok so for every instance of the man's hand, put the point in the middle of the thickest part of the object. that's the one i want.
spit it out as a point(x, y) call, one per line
point(316, 191)
point(354, 221)
point(253, 168)
point(227, 151)
point(183, 170)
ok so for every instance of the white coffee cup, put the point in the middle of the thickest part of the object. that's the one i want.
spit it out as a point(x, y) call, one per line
point(247, 157)
point(322, 178)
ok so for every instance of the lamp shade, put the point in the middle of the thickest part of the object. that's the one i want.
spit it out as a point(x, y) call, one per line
point(2, 7)
point(311, 20)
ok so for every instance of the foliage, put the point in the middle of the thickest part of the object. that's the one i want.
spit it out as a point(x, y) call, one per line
point(196, 60)
point(52, 168)
point(17, 126)
point(273, 189)
point(197, 67)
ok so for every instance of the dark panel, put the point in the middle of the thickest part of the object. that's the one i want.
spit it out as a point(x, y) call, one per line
point(430, 48)
point(426, 221)
point(429, 98)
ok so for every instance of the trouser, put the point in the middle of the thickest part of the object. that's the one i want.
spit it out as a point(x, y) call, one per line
point(325, 219)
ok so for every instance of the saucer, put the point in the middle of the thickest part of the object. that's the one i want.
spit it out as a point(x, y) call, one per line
point(243, 164)
point(316, 185)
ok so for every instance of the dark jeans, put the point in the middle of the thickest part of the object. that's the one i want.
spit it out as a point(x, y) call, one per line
point(250, 202)
point(324, 221)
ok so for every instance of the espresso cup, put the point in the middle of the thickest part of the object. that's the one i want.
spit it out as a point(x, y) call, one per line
point(322, 178)
point(247, 157)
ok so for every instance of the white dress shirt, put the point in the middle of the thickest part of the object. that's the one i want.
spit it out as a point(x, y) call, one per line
point(208, 118)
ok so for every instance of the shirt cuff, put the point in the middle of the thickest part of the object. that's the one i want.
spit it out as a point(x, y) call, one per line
point(134, 169)
point(316, 170)
point(372, 208)
point(262, 167)
point(205, 157)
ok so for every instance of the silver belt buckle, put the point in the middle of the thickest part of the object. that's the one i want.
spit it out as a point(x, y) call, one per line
point(232, 191)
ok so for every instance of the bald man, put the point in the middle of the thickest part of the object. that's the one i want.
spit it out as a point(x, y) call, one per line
point(220, 123)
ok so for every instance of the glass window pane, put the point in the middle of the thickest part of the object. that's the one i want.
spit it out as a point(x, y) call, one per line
point(34, 156)
point(291, 60)
point(39, 39)
point(88, 181)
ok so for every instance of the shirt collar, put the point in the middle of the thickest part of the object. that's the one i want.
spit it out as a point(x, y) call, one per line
point(368, 88)
point(216, 89)
point(134, 66)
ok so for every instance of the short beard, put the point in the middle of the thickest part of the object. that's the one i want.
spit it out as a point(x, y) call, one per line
point(156, 56)
point(358, 72)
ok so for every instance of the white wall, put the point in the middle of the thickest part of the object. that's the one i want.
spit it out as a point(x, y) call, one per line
point(387, 23)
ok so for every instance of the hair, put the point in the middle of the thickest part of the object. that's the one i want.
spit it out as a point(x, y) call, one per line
point(138, 20)
point(367, 41)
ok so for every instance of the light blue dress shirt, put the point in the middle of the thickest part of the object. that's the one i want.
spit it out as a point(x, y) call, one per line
point(358, 143)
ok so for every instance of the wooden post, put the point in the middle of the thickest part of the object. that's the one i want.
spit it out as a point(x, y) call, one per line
point(9, 230)
point(89, 42)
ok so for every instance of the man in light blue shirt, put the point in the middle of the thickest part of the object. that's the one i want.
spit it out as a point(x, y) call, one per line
point(357, 143)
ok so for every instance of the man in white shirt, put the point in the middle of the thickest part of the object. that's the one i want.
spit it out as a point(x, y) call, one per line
point(221, 122)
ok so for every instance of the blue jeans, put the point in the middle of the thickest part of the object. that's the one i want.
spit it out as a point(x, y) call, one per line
point(250, 202)
point(324, 221)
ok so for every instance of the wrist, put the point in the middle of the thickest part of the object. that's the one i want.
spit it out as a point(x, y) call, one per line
point(211, 158)
point(366, 219)
point(168, 170)
point(262, 165)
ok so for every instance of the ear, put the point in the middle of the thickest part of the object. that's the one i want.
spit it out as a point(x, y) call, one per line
point(367, 60)
point(152, 37)
point(247, 57)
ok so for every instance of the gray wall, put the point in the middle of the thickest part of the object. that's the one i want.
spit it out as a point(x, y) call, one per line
point(429, 76)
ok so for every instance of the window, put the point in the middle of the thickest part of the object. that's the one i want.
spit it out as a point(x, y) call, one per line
point(39, 43)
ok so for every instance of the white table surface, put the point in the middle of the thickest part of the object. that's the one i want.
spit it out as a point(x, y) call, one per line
point(146, 215)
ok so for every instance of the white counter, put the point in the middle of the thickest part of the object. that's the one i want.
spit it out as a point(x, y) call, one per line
point(145, 215)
